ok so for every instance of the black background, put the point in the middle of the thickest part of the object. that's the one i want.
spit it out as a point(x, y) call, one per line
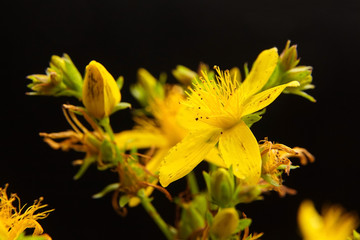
point(158, 35)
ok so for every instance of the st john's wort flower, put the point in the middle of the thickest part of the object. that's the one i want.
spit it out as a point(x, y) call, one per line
point(214, 114)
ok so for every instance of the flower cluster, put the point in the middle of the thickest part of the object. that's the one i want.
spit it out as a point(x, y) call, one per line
point(208, 116)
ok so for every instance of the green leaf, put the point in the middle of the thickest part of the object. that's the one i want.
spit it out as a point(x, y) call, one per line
point(120, 82)
point(269, 179)
point(124, 199)
point(121, 106)
point(107, 151)
point(253, 118)
point(106, 190)
point(86, 163)
point(243, 223)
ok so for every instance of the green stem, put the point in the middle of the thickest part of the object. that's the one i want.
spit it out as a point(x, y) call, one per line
point(167, 230)
point(105, 122)
point(192, 183)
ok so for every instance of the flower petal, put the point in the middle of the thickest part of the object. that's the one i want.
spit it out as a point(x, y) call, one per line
point(187, 154)
point(263, 99)
point(260, 72)
point(139, 139)
point(239, 148)
point(214, 157)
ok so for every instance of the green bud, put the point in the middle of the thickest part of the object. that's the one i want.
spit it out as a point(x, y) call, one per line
point(297, 74)
point(289, 57)
point(107, 152)
point(225, 223)
point(62, 79)
point(147, 88)
point(192, 216)
point(71, 75)
point(222, 187)
point(184, 74)
point(247, 194)
point(287, 70)
point(49, 84)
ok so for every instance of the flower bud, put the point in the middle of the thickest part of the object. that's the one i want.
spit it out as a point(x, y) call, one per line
point(70, 74)
point(62, 79)
point(288, 70)
point(100, 91)
point(184, 74)
point(49, 84)
point(192, 217)
point(221, 187)
point(225, 223)
point(247, 194)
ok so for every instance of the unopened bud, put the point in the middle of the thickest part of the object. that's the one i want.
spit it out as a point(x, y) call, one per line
point(184, 74)
point(100, 91)
point(221, 187)
point(66, 68)
point(225, 223)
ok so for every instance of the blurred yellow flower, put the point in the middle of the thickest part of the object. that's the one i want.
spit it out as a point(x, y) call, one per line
point(100, 92)
point(161, 132)
point(333, 224)
point(213, 114)
point(13, 221)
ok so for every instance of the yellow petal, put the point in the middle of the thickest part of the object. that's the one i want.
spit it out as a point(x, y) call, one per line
point(239, 148)
point(139, 139)
point(154, 164)
point(188, 119)
point(100, 91)
point(310, 222)
point(214, 157)
point(260, 72)
point(333, 224)
point(263, 99)
point(187, 154)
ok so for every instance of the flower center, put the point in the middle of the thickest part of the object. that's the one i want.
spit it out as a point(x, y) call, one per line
point(216, 102)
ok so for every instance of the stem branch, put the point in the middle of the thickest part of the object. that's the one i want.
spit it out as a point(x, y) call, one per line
point(167, 230)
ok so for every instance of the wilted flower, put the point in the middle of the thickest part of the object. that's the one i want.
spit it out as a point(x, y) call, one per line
point(93, 143)
point(14, 221)
point(275, 161)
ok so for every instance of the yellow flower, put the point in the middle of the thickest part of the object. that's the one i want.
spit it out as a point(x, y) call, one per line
point(333, 224)
point(214, 113)
point(160, 133)
point(13, 222)
point(100, 91)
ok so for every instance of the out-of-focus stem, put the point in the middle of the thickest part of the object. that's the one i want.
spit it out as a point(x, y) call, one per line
point(105, 122)
point(166, 229)
point(192, 183)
